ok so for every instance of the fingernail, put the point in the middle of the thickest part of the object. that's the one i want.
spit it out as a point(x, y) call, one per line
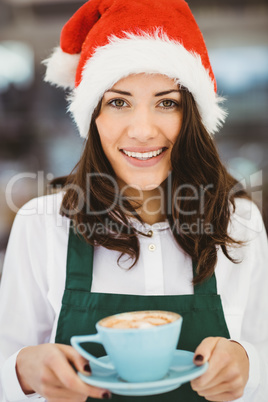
point(199, 358)
point(87, 368)
point(106, 395)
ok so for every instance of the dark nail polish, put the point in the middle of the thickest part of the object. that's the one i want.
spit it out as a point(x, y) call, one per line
point(87, 368)
point(199, 358)
point(106, 395)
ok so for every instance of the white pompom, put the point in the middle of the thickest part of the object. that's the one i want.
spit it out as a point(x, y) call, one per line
point(61, 68)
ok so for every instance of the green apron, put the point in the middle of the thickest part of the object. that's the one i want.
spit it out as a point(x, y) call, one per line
point(202, 313)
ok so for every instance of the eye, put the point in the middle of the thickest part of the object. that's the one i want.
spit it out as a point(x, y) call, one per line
point(168, 104)
point(117, 103)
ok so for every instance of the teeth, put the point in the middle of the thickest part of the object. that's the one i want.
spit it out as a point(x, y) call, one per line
point(143, 155)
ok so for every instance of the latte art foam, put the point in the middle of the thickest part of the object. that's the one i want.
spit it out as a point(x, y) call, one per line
point(139, 320)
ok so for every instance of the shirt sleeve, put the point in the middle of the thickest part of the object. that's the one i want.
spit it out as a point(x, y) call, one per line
point(254, 331)
point(11, 388)
point(26, 316)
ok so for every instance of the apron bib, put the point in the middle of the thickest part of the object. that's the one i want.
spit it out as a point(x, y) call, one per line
point(202, 313)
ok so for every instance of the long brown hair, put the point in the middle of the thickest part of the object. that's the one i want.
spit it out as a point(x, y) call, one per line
point(195, 165)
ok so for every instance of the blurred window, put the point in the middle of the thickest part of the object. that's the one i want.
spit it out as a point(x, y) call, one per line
point(240, 69)
point(16, 65)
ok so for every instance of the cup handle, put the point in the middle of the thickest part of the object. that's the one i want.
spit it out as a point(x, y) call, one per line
point(75, 342)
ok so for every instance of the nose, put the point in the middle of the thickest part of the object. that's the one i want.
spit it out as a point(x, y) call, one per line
point(142, 126)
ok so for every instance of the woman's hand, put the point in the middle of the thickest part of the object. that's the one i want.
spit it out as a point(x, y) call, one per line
point(228, 370)
point(46, 369)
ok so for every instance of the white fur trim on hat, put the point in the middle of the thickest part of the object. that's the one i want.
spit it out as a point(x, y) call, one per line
point(61, 68)
point(144, 53)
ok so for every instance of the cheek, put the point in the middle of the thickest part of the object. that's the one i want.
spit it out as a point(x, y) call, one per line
point(172, 128)
point(176, 126)
point(108, 128)
point(108, 142)
point(102, 128)
point(106, 134)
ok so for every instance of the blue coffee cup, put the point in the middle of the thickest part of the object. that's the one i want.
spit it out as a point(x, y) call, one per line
point(137, 354)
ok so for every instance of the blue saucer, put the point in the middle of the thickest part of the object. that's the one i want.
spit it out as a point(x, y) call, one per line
point(181, 370)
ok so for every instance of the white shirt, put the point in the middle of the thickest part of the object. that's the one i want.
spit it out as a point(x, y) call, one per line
point(35, 270)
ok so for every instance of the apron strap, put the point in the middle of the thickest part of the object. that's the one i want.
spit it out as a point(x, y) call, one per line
point(208, 287)
point(80, 252)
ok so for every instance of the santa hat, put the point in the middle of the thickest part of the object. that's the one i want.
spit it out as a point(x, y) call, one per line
point(106, 40)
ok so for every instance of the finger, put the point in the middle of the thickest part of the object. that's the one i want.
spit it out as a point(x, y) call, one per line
point(234, 385)
point(60, 393)
point(204, 351)
point(59, 399)
point(52, 388)
point(227, 376)
point(218, 370)
point(227, 396)
point(59, 364)
point(63, 394)
point(80, 363)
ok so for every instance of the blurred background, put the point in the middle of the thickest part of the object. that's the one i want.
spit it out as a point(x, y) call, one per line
point(39, 141)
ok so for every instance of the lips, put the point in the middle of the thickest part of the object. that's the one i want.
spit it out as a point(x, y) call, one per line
point(143, 155)
point(143, 159)
point(142, 149)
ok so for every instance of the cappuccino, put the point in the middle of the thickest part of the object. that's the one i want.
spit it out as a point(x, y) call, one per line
point(140, 344)
point(139, 319)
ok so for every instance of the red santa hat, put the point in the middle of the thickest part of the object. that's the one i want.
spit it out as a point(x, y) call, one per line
point(106, 40)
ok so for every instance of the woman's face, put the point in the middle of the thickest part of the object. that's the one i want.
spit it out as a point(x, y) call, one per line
point(139, 121)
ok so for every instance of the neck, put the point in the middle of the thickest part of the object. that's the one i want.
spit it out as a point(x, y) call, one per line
point(151, 208)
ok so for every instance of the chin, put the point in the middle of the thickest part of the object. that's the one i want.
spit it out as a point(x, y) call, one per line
point(144, 182)
point(145, 186)
point(150, 187)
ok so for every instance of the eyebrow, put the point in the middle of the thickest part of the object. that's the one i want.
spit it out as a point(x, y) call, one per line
point(167, 92)
point(117, 91)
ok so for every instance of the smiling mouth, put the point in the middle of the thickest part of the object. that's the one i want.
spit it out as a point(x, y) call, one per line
point(144, 156)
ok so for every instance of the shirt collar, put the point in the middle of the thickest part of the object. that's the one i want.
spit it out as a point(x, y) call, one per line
point(158, 226)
